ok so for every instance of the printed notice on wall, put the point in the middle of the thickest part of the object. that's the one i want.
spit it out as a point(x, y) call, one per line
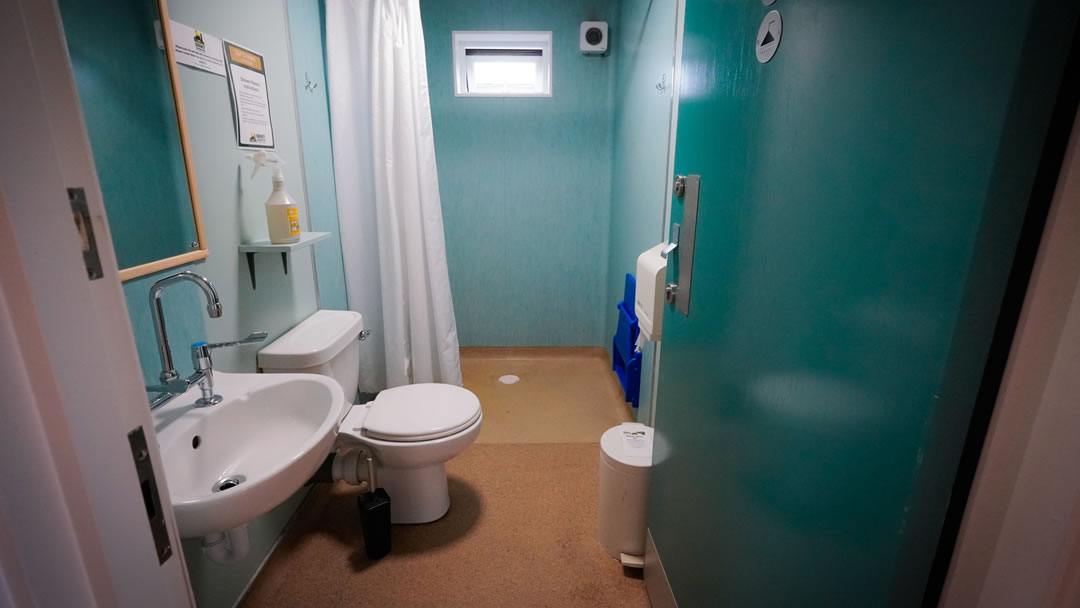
point(251, 102)
point(194, 48)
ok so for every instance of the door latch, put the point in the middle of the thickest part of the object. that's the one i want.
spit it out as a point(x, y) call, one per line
point(151, 499)
point(671, 290)
point(80, 212)
point(679, 187)
point(687, 188)
point(673, 242)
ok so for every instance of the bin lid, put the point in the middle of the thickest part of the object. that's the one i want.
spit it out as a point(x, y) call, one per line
point(628, 446)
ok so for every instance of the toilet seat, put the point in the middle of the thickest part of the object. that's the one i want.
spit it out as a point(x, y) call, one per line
point(420, 412)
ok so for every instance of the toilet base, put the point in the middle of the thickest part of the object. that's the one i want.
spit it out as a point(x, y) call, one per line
point(417, 495)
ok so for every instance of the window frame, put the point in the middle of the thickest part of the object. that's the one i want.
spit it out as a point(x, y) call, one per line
point(463, 40)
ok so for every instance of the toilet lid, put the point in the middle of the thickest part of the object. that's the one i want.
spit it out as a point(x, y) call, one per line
point(420, 412)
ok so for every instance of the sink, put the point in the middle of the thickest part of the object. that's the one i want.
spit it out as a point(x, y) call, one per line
point(229, 463)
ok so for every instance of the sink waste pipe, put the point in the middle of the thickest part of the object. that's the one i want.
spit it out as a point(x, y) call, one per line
point(354, 466)
point(227, 547)
point(343, 465)
point(350, 466)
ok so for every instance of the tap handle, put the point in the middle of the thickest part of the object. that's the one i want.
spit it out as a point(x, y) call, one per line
point(256, 336)
point(200, 351)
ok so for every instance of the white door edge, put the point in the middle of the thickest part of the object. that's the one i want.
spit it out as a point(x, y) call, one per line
point(74, 362)
point(676, 84)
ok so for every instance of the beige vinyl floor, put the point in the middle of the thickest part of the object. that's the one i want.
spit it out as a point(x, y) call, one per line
point(521, 525)
point(564, 395)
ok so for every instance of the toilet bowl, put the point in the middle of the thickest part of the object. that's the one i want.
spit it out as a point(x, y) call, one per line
point(410, 430)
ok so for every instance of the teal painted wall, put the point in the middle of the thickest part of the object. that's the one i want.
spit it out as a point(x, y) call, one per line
point(308, 42)
point(862, 195)
point(232, 206)
point(525, 182)
point(185, 320)
point(130, 117)
point(233, 210)
point(644, 51)
point(232, 203)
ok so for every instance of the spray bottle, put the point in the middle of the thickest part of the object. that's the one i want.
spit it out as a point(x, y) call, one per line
point(282, 214)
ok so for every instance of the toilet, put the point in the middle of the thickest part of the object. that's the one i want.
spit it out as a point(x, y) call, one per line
point(411, 430)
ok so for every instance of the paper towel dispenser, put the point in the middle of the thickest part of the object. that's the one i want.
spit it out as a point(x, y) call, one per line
point(649, 295)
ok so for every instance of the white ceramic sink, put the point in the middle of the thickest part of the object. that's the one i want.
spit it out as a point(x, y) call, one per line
point(270, 433)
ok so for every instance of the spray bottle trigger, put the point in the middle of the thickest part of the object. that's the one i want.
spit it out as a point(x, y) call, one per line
point(262, 158)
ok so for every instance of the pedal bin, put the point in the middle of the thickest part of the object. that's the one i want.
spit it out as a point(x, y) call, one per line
point(625, 463)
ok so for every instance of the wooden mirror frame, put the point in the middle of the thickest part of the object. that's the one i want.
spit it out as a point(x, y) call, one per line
point(189, 168)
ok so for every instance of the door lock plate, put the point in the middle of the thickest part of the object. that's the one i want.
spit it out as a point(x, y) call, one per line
point(688, 188)
point(140, 453)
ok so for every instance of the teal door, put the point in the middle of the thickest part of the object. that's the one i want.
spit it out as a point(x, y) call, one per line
point(861, 199)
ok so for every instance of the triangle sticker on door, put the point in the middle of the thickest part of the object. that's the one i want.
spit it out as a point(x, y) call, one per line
point(768, 36)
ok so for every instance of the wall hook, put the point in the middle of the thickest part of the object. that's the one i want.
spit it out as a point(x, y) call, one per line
point(310, 86)
point(662, 85)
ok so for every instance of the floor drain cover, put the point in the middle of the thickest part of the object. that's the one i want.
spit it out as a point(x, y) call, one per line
point(509, 379)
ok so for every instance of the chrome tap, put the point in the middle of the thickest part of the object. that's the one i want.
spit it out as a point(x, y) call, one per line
point(204, 366)
point(213, 309)
point(171, 383)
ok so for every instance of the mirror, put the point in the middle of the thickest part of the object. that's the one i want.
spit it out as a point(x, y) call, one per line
point(129, 90)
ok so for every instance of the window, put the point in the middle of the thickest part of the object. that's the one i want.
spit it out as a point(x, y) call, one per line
point(502, 64)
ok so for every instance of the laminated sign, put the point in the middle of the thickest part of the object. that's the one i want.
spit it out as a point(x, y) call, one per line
point(251, 102)
point(194, 48)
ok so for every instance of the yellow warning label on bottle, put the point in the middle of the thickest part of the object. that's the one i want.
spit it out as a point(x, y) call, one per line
point(294, 221)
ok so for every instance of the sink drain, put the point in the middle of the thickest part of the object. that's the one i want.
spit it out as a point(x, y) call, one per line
point(228, 483)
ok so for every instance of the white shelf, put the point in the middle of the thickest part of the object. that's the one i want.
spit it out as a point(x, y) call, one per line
point(307, 239)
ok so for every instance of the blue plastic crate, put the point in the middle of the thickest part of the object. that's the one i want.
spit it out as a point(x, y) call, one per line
point(625, 358)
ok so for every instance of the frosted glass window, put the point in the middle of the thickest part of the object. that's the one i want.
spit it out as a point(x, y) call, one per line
point(502, 64)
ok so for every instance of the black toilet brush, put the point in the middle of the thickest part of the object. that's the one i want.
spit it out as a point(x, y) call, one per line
point(374, 515)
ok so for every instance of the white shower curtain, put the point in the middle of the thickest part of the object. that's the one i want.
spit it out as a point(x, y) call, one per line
point(388, 190)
